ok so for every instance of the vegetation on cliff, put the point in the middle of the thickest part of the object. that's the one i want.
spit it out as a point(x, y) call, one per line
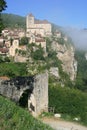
point(81, 79)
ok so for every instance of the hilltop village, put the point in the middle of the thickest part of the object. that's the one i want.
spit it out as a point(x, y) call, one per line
point(41, 34)
point(36, 31)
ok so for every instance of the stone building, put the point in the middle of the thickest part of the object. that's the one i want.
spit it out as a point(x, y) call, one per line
point(38, 40)
point(37, 26)
point(15, 45)
point(34, 88)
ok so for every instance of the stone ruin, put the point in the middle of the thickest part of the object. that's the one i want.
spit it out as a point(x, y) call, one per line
point(30, 92)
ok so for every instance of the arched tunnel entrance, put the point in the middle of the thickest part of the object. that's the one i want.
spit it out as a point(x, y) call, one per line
point(23, 101)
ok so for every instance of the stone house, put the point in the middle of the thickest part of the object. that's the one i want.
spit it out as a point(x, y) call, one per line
point(3, 49)
point(21, 34)
point(65, 38)
point(57, 34)
point(38, 40)
point(15, 45)
point(5, 32)
point(7, 43)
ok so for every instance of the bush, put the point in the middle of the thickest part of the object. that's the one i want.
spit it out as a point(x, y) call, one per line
point(13, 69)
point(68, 101)
point(38, 54)
point(24, 41)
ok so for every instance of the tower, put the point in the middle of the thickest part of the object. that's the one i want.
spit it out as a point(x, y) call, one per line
point(29, 20)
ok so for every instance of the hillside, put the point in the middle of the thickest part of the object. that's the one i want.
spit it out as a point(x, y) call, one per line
point(11, 20)
point(13, 117)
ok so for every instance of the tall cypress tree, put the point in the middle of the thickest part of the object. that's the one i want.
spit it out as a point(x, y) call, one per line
point(3, 6)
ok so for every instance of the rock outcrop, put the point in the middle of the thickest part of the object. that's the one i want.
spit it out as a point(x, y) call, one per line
point(54, 71)
point(66, 54)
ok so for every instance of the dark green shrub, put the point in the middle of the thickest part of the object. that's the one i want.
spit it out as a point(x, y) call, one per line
point(68, 101)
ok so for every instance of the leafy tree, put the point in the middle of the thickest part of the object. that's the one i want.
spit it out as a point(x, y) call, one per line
point(60, 41)
point(1, 59)
point(69, 101)
point(2, 7)
point(81, 79)
point(24, 41)
point(6, 59)
point(38, 54)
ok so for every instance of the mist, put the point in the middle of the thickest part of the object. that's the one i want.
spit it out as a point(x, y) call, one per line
point(78, 36)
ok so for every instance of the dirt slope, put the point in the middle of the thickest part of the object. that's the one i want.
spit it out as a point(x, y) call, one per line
point(63, 125)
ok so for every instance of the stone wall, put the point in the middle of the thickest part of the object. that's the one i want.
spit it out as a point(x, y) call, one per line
point(35, 87)
point(41, 92)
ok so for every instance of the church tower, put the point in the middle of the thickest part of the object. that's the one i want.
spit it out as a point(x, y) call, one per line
point(29, 20)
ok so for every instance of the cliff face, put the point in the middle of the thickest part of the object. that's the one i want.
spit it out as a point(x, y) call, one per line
point(66, 55)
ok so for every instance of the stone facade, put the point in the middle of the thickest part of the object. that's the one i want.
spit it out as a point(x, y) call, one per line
point(37, 27)
point(35, 87)
point(15, 45)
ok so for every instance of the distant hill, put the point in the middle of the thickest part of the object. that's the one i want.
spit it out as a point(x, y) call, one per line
point(11, 20)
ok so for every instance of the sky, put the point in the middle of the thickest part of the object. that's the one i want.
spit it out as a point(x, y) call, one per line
point(65, 13)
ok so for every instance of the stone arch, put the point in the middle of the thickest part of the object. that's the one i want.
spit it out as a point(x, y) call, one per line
point(32, 104)
point(23, 101)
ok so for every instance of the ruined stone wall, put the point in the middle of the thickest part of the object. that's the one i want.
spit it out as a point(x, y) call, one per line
point(41, 92)
point(36, 88)
point(14, 88)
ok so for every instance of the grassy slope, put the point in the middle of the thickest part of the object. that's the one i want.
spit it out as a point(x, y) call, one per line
point(13, 117)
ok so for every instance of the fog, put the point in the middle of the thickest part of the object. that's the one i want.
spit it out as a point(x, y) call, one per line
point(78, 36)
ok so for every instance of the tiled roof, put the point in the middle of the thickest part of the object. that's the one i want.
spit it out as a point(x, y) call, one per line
point(4, 78)
point(39, 40)
point(41, 22)
point(1, 37)
point(4, 50)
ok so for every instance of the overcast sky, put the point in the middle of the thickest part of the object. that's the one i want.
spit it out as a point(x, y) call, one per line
point(61, 12)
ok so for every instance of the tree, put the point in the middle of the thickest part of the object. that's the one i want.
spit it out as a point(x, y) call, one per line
point(2, 7)
point(24, 41)
point(38, 54)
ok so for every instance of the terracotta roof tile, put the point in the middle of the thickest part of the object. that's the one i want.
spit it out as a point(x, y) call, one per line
point(4, 78)
point(4, 50)
point(39, 40)
point(41, 22)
